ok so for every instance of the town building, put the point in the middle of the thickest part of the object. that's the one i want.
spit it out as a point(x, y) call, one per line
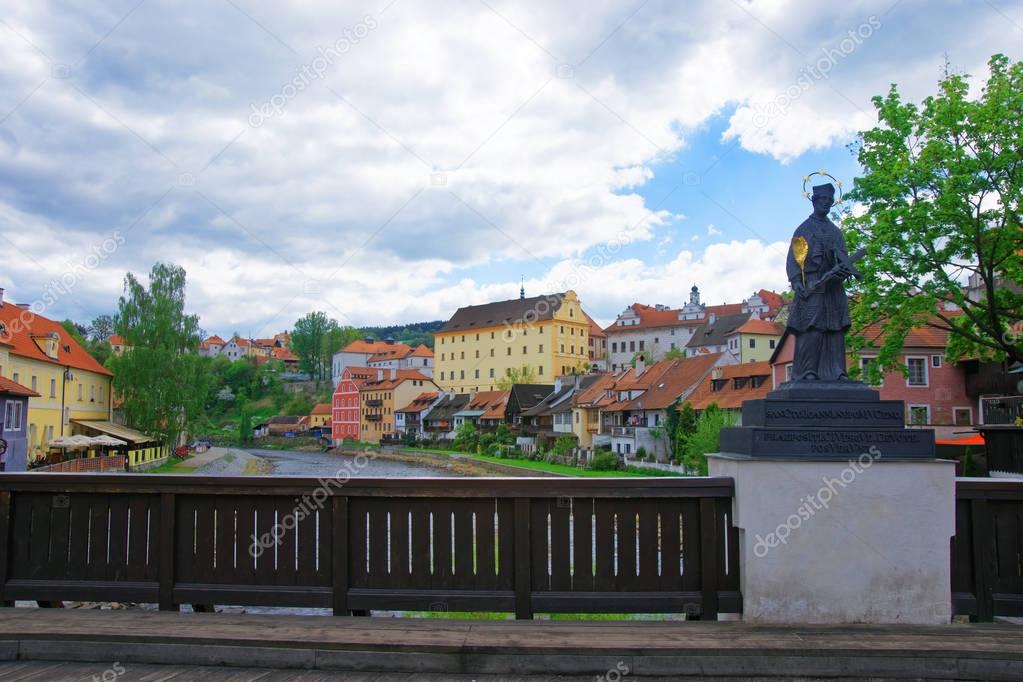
point(754, 340)
point(358, 352)
point(586, 411)
point(544, 335)
point(639, 415)
point(211, 346)
point(408, 419)
point(38, 353)
point(727, 386)
point(522, 397)
point(14, 425)
point(598, 347)
point(320, 415)
point(719, 334)
point(401, 356)
point(346, 421)
point(117, 345)
point(384, 392)
point(236, 348)
point(485, 410)
point(439, 421)
point(659, 329)
point(933, 389)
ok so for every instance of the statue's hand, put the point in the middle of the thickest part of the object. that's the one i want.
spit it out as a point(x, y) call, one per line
point(799, 290)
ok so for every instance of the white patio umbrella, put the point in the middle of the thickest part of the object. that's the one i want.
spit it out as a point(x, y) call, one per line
point(106, 440)
point(69, 442)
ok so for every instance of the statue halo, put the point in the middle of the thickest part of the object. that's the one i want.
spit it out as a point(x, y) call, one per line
point(823, 173)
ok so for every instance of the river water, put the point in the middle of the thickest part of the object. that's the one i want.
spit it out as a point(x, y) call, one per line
point(325, 464)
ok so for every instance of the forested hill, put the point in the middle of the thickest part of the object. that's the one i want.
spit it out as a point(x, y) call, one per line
point(412, 334)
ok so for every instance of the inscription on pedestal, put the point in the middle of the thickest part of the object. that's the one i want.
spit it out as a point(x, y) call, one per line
point(815, 413)
point(809, 442)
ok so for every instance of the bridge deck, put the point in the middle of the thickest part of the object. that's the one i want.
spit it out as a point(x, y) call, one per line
point(138, 640)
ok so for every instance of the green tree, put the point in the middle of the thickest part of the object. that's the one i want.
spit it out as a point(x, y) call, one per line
point(516, 375)
point(245, 424)
point(674, 354)
point(704, 439)
point(163, 382)
point(309, 341)
point(941, 199)
point(76, 331)
point(101, 328)
point(466, 437)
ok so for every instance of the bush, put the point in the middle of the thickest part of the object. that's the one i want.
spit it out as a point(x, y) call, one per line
point(466, 437)
point(706, 438)
point(504, 435)
point(641, 453)
point(605, 460)
point(564, 445)
point(486, 443)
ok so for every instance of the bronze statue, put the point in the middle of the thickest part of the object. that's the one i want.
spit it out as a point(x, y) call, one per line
point(817, 268)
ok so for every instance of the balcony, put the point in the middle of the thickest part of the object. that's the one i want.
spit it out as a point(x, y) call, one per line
point(374, 403)
point(627, 431)
point(373, 417)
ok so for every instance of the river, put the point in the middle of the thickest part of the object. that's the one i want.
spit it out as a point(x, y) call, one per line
point(300, 463)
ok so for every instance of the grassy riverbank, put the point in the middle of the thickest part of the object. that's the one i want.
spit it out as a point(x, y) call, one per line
point(548, 467)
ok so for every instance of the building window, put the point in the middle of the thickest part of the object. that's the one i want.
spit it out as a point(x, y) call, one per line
point(865, 365)
point(463, 355)
point(641, 344)
point(541, 347)
point(540, 370)
point(917, 371)
point(962, 416)
point(936, 361)
point(477, 353)
point(53, 388)
point(524, 351)
point(919, 414)
point(491, 352)
point(752, 343)
point(13, 415)
point(509, 350)
point(477, 374)
point(79, 393)
point(614, 346)
point(491, 372)
point(461, 374)
point(632, 346)
point(770, 343)
point(34, 382)
point(788, 372)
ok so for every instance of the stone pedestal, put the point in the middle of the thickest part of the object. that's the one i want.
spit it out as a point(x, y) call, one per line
point(862, 540)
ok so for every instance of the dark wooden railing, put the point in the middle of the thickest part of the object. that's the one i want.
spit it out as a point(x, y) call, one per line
point(516, 545)
point(987, 550)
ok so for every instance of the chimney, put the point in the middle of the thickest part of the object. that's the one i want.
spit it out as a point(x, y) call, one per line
point(1, 297)
point(712, 318)
point(380, 375)
point(389, 340)
point(640, 365)
point(716, 373)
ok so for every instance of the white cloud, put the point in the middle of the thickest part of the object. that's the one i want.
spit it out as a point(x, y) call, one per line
point(712, 231)
point(449, 136)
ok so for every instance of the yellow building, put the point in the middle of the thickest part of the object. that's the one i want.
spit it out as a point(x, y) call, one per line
point(384, 392)
point(755, 340)
point(548, 335)
point(320, 416)
point(39, 353)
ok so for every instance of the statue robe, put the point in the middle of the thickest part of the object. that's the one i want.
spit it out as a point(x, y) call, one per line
point(819, 319)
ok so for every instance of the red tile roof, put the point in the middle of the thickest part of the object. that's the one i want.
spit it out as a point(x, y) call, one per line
point(752, 326)
point(321, 408)
point(215, 339)
point(22, 325)
point(370, 347)
point(723, 309)
point(772, 299)
point(650, 317)
point(420, 402)
point(422, 351)
point(680, 378)
point(284, 355)
point(595, 330)
point(9, 387)
point(493, 402)
point(116, 340)
point(728, 396)
point(400, 377)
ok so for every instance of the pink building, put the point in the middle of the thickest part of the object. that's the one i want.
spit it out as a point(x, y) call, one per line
point(345, 408)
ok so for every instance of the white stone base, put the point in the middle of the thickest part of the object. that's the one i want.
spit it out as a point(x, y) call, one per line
point(865, 541)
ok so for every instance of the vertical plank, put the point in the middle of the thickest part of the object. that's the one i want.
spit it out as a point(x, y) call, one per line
point(710, 548)
point(582, 544)
point(5, 525)
point(628, 513)
point(204, 538)
point(464, 545)
point(486, 546)
point(401, 576)
point(505, 549)
point(138, 540)
point(307, 550)
point(39, 540)
point(604, 575)
point(99, 537)
point(60, 530)
point(78, 555)
point(671, 548)
point(539, 547)
point(443, 577)
point(523, 561)
point(983, 559)
point(561, 547)
point(650, 565)
point(118, 548)
point(692, 550)
point(227, 544)
point(422, 545)
point(339, 556)
point(167, 549)
point(248, 543)
point(287, 573)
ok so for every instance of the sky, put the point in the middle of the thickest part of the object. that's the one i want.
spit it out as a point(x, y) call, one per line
point(389, 161)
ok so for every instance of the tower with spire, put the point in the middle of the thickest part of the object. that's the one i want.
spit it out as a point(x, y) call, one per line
point(522, 287)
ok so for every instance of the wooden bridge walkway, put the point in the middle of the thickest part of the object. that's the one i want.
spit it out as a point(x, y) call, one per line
point(282, 647)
